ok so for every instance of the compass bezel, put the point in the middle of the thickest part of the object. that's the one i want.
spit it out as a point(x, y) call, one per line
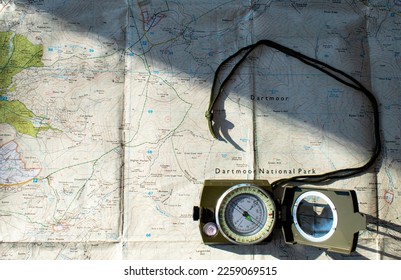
point(222, 206)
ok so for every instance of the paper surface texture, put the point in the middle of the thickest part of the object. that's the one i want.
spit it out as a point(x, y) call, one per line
point(104, 146)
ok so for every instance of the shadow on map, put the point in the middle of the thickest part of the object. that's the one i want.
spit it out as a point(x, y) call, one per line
point(89, 17)
point(91, 20)
point(93, 17)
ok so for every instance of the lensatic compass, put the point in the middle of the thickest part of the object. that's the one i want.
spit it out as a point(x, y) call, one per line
point(247, 212)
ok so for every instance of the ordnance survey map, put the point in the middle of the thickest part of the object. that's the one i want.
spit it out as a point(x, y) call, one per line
point(104, 145)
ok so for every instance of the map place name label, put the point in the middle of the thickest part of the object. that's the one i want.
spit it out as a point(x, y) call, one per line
point(269, 98)
point(293, 171)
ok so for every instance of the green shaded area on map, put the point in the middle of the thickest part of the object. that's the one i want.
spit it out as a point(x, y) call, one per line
point(17, 115)
point(16, 54)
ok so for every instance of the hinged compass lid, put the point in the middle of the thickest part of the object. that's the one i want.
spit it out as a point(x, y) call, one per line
point(322, 218)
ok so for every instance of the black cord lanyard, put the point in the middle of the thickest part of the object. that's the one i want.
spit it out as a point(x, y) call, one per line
point(323, 67)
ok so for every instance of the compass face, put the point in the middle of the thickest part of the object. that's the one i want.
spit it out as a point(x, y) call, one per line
point(245, 214)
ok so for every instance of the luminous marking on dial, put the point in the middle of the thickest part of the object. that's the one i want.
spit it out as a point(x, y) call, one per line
point(245, 214)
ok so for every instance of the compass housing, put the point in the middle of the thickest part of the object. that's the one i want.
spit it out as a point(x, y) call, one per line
point(245, 214)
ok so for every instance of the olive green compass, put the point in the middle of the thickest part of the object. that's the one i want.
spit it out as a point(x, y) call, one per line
point(245, 212)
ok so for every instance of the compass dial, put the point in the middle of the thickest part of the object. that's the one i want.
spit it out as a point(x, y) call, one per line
point(245, 214)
